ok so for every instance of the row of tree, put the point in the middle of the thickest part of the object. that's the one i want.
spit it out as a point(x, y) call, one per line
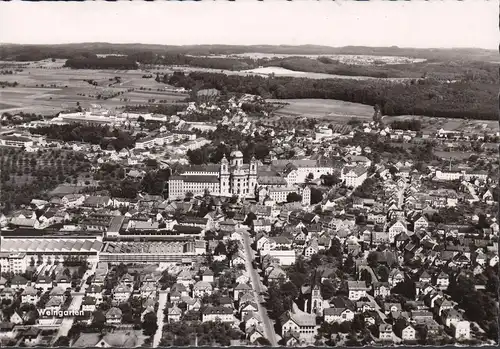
point(104, 136)
point(462, 99)
point(91, 61)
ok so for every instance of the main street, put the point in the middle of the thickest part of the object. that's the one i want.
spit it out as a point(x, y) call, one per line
point(75, 305)
point(160, 315)
point(257, 289)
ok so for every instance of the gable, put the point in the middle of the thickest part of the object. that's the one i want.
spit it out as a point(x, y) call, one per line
point(290, 322)
point(102, 344)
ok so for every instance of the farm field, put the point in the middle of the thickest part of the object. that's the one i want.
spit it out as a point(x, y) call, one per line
point(48, 88)
point(264, 72)
point(329, 109)
point(278, 71)
point(5, 106)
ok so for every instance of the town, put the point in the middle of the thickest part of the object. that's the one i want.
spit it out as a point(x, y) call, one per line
point(223, 223)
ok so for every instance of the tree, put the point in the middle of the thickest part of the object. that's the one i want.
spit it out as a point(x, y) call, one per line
point(330, 180)
point(189, 195)
point(167, 280)
point(98, 320)
point(327, 289)
point(250, 218)
point(231, 248)
point(62, 341)
point(220, 249)
point(366, 276)
point(316, 196)
point(383, 273)
point(293, 197)
point(406, 289)
point(372, 259)
point(150, 324)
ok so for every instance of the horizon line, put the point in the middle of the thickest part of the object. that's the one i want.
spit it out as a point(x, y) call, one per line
point(253, 45)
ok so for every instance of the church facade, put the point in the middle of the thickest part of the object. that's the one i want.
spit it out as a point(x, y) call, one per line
point(227, 179)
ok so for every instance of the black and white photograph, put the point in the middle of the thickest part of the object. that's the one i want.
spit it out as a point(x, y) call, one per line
point(249, 173)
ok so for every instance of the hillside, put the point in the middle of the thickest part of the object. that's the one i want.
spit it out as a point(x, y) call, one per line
point(13, 51)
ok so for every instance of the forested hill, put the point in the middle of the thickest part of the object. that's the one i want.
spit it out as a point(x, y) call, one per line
point(66, 51)
point(463, 99)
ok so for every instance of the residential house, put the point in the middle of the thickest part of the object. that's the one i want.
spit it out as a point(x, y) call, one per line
point(114, 316)
point(395, 277)
point(297, 321)
point(381, 289)
point(95, 292)
point(338, 315)
point(30, 295)
point(121, 293)
point(247, 308)
point(395, 229)
point(442, 280)
point(217, 313)
point(356, 289)
point(385, 332)
point(89, 304)
point(241, 288)
point(408, 333)
point(202, 288)
point(32, 336)
point(462, 330)
point(174, 314)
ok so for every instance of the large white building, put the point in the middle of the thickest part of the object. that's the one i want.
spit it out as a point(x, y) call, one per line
point(13, 262)
point(297, 171)
point(354, 176)
point(226, 179)
point(50, 248)
point(17, 141)
point(455, 174)
point(246, 180)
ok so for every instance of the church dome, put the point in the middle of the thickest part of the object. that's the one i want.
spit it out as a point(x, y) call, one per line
point(236, 154)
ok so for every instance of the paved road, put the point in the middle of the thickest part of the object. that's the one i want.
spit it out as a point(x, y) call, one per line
point(67, 322)
point(162, 301)
point(257, 289)
point(401, 196)
point(75, 305)
point(377, 307)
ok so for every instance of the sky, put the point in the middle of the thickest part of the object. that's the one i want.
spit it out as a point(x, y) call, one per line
point(419, 24)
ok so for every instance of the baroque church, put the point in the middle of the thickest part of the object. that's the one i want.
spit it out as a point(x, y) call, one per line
point(226, 179)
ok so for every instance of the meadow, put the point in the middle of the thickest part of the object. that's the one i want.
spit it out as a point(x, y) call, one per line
point(326, 109)
point(48, 88)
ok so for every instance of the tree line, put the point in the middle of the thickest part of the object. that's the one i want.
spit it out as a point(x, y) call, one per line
point(104, 136)
point(462, 99)
point(91, 61)
point(407, 125)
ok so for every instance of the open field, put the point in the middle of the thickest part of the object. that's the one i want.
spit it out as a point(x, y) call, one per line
point(433, 124)
point(266, 71)
point(48, 88)
point(453, 155)
point(5, 106)
point(329, 109)
point(278, 71)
